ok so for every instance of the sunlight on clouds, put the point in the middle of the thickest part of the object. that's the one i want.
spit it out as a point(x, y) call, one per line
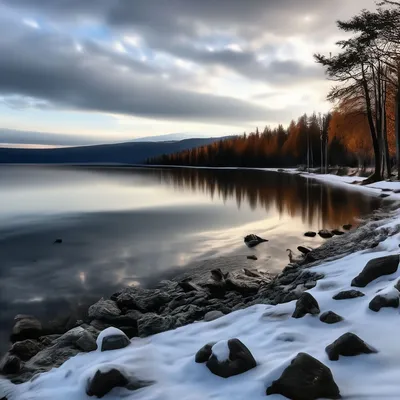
point(133, 40)
point(118, 46)
point(31, 23)
point(234, 47)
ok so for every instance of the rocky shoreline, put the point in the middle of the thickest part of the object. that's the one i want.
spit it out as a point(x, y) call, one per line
point(192, 296)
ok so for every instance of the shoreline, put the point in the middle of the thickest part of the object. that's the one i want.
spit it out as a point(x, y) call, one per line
point(180, 302)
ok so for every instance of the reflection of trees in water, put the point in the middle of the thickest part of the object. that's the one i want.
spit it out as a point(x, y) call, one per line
point(316, 204)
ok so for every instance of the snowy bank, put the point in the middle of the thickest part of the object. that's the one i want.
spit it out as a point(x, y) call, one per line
point(166, 361)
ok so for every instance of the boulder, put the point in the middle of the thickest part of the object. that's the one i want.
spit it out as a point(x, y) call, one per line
point(304, 250)
point(253, 240)
point(217, 289)
point(204, 354)
point(26, 327)
point(152, 323)
point(245, 287)
point(26, 349)
point(144, 300)
point(188, 286)
point(253, 273)
point(86, 342)
point(218, 275)
point(329, 317)
point(348, 345)
point(306, 304)
point(337, 232)
point(213, 315)
point(325, 234)
point(310, 234)
point(112, 339)
point(103, 382)
point(105, 310)
point(348, 294)
point(386, 300)
point(376, 268)
point(227, 358)
point(347, 227)
point(305, 378)
point(11, 365)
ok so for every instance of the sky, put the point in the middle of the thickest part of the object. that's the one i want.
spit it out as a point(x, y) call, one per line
point(81, 72)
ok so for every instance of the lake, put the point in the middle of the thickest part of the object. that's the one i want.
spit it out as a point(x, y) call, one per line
point(132, 226)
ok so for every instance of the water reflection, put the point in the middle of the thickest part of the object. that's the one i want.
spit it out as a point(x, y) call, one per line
point(123, 226)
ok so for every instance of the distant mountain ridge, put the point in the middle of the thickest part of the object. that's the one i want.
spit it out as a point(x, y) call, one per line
point(120, 153)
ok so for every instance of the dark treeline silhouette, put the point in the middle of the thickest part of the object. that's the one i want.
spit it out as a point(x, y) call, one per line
point(304, 142)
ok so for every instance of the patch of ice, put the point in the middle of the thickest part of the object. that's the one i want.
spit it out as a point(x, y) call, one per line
point(221, 350)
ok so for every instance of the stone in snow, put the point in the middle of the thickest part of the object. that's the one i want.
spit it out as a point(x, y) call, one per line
point(329, 317)
point(103, 382)
point(305, 378)
point(348, 345)
point(381, 301)
point(348, 294)
point(112, 339)
point(376, 268)
point(253, 240)
point(236, 358)
point(306, 304)
point(213, 315)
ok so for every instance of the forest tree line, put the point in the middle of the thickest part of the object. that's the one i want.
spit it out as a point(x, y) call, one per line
point(363, 127)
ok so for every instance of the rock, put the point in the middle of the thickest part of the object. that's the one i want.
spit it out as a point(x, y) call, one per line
point(310, 234)
point(239, 359)
point(380, 301)
point(103, 382)
point(384, 195)
point(347, 227)
point(306, 304)
point(212, 315)
point(376, 268)
point(337, 232)
point(144, 300)
point(253, 273)
point(57, 241)
point(253, 240)
point(348, 294)
point(112, 339)
point(305, 379)
point(325, 234)
point(242, 286)
point(11, 365)
point(187, 286)
point(151, 324)
point(304, 250)
point(310, 284)
point(329, 317)
point(105, 310)
point(204, 354)
point(86, 342)
point(348, 345)
point(26, 349)
point(217, 289)
point(218, 275)
point(253, 257)
point(26, 327)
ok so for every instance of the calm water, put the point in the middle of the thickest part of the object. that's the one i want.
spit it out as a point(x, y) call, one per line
point(134, 226)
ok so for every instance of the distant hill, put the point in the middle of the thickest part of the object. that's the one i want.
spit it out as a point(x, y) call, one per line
point(167, 138)
point(121, 153)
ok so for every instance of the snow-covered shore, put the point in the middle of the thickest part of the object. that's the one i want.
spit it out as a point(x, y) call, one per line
point(270, 333)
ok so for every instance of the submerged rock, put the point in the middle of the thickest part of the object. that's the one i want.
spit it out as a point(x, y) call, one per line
point(254, 258)
point(306, 304)
point(253, 240)
point(376, 268)
point(329, 317)
point(348, 345)
point(310, 234)
point(305, 378)
point(239, 358)
point(348, 294)
point(325, 234)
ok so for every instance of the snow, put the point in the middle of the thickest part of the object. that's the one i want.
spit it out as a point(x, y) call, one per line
point(107, 332)
point(221, 350)
point(269, 332)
